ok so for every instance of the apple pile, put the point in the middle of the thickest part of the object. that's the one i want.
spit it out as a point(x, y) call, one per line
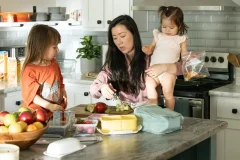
point(22, 121)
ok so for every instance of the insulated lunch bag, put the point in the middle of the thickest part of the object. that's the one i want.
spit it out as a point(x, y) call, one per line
point(158, 120)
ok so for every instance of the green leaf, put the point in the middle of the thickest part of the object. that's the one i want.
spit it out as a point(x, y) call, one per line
point(89, 50)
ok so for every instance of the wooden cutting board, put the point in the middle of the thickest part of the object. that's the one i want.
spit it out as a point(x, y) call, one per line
point(80, 111)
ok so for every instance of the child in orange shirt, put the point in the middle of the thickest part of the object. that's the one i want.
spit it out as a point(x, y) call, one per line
point(42, 81)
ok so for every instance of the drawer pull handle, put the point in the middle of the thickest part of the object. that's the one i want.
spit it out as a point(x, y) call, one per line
point(18, 103)
point(234, 111)
point(86, 93)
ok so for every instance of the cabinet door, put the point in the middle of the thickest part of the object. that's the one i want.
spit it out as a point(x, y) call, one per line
point(11, 101)
point(114, 8)
point(92, 11)
point(77, 94)
point(232, 144)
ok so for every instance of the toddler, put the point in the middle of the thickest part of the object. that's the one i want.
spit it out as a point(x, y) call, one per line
point(167, 47)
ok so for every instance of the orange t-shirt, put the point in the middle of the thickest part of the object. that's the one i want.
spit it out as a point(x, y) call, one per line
point(45, 81)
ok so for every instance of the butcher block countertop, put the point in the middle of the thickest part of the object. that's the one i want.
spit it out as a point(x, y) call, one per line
point(140, 146)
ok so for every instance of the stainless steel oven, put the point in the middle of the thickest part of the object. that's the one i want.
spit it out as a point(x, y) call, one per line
point(192, 98)
point(195, 107)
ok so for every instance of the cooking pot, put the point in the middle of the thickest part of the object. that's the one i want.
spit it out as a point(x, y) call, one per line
point(16, 16)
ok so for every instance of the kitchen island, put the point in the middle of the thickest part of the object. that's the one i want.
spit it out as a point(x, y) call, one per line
point(140, 146)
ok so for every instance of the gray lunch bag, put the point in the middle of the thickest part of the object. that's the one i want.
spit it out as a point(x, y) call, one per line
point(158, 120)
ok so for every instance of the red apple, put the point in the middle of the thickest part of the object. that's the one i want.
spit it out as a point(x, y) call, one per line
point(27, 117)
point(2, 115)
point(100, 107)
point(40, 115)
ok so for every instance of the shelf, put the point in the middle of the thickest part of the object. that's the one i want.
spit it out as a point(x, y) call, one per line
point(60, 24)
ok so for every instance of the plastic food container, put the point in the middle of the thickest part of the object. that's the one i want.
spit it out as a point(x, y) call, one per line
point(118, 123)
point(61, 147)
point(67, 65)
point(60, 128)
point(85, 128)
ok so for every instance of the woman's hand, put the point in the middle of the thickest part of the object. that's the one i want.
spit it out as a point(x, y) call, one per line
point(107, 91)
point(157, 69)
point(148, 50)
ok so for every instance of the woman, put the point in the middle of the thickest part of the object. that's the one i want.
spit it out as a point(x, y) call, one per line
point(126, 64)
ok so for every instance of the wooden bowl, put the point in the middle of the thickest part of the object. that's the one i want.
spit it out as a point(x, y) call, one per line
point(24, 139)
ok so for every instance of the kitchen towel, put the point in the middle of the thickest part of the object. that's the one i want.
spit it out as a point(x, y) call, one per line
point(157, 120)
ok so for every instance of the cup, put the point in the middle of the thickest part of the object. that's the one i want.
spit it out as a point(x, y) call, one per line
point(71, 119)
point(9, 152)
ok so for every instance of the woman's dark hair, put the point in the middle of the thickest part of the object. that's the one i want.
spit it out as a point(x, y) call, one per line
point(176, 15)
point(121, 78)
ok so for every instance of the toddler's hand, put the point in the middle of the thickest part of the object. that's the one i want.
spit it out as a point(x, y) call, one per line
point(64, 98)
point(107, 91)
point(54, 107)
point(147, 50)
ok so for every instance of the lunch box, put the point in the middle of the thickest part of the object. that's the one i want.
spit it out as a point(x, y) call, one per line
point(157, 120)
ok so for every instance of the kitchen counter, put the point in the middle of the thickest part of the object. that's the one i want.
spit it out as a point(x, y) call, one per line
point(140, 146)
point(230, 90)
point(6, 87)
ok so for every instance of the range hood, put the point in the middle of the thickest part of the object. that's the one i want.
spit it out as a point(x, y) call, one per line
point(187, 5)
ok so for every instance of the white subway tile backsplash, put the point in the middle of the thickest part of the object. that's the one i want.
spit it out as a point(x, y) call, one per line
point(3, 34)
point(234, 50)
point(8, 42)
point(21, 34)
point(211, 26)
point(196, 26)
point(217, 49)
point(237, 27)
point(204, 18)
point(198, 42)
point(12, 34)
point(238, 43)
point(192, 34)
point(228, 43)
point(213, 43)
point(220, 35)
point(146, 41)
point(227, 27)
point(190, 18)
point(234, 18)
point(234, 35)
point(204, 49)
point(219, 18)
point(152, 26)
point(204, 34)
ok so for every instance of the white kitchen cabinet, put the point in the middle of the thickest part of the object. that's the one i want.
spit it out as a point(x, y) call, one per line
point(98, 14)
point(11, 101)
point(77, 94)
point(227, 141)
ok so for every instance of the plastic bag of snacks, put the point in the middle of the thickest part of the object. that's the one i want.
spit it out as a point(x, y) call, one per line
point(193, 66)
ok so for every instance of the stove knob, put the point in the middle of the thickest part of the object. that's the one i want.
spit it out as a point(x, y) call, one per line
point(221, 59)
point(234, 111)
point(213, 59)
point(206, 59)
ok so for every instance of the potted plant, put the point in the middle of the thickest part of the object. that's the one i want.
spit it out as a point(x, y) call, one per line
point(88, 54)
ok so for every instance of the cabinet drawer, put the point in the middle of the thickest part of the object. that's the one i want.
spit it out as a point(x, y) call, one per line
point(228, 108)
